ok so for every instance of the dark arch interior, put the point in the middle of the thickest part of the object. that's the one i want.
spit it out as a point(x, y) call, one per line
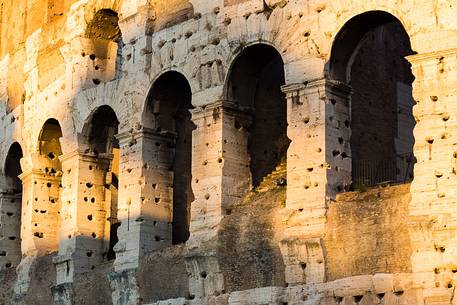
point(254, 85)
point(102, 28)
point(50, 144)
point(10, 253)
point(100, 130)
point(13, 168)
point(99, 138)
point(369, 55)
point(168, 108)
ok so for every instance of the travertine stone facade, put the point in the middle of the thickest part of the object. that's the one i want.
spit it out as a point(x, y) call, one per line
point(234, 152)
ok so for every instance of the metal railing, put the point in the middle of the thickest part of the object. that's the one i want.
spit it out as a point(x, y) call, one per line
point(371, 172)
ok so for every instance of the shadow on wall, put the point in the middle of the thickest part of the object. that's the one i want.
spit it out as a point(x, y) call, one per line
point(376, 130)
point(254, 86)
point(168, 113)
point(100, 173)
point(11, 207)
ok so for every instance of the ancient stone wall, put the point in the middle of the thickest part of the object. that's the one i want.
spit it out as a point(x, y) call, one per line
point(227, 152)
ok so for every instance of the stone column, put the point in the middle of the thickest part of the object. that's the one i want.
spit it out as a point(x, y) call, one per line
point(145, 205)
point(40, 207)
point(433, 225)
point(86, 200)
point(221, 177)
point(40, 220)
point(10, 229)
point(318, 166)
point(145, 195)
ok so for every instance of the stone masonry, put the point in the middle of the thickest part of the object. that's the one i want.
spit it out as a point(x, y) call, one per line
point(232, 152)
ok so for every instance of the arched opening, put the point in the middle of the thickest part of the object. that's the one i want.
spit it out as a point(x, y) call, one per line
point(10, 206)
point(105, 50)
point(254, 86)
point(13, 169)
point(369, 55)
point(101, 184)
point(45, 188)
point(168, 113)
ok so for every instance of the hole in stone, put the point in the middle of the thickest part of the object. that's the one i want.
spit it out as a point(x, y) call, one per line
point(49, 184)
point(96, 81)
point(89, 217)
point(9, 214)
point(38, 234)
point(92, 200)
point(157, 199)
point(449, 285)
point(303, 265)
point(434, 98)
point(429, 140)
point(8, 265)
point(380, 296)
point(203, 274)
point(358, 299)
point(89, 185)
point(92, 56)
point(2, 253)
point(399, 293)
point(89, 253)
point(51, 156)
point(94, 235)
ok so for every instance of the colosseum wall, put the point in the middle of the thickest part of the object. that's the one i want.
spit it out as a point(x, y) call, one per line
point(232, 152)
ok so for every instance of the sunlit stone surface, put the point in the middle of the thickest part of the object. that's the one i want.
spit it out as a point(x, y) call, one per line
point(233, 152)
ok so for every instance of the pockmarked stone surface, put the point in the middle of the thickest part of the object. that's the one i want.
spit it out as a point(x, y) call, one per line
point(229, 152)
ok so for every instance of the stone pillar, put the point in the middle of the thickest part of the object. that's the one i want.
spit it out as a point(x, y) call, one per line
point(221, 178)
point(40, 207)
point(145, 195)
point(145, 205)
point(10, 229)
point(40, 220)
point(318, 166)
point(85, 215)
point(434, 203)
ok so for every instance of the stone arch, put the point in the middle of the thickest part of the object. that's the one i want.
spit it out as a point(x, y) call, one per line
point(101, 156)
point(10, 209)
point(167, 112)
point(254, 87)
point(49, 147)
point(368, 54)
point(41, 192)
point(104, 45)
